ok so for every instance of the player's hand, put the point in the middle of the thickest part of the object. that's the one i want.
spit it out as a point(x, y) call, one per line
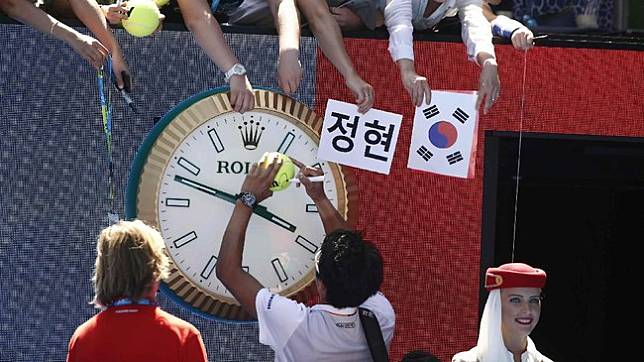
point(242, 97)
point(489, 86)
point(346, 18)
point(363, 92)
point(259, 180)
point(315, 190)
point(289, 70)
point(417, 86)
point(90, 49)
point(522, 39)
point(115, 13)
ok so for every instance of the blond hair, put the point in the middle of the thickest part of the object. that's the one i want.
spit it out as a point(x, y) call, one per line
point(130, 258)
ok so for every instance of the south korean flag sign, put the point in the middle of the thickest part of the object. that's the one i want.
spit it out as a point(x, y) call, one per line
point(443, 139)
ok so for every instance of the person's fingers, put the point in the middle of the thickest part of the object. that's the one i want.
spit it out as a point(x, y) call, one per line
point(119, 80)
point(488, 104)
point(369, 101)
point(304, 180)
point(233, 99)
point(253, 169)
point(428, 93)
point(102, 48)
point(274, 168)
point(530, 41)
point(297, 163)
point(245, 103)
point(249, 104)
point(479, 98)
point(413, 94)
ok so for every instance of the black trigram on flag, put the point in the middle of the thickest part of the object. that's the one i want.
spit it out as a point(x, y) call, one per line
point(460, 115)
point(454, 157)
point(431, 111)
point(424, 153)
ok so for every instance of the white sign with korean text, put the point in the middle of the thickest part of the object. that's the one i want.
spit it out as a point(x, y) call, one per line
point(365, 141)
point(443, 139)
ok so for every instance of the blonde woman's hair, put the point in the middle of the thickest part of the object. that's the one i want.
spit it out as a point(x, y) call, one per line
point(130, 258)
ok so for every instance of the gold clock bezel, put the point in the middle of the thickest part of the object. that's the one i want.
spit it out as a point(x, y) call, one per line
point(142, 199)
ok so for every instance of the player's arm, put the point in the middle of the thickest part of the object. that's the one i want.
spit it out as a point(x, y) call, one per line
point(331, 218)
point(242, 285)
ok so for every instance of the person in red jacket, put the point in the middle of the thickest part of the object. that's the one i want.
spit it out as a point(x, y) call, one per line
point(130, 263)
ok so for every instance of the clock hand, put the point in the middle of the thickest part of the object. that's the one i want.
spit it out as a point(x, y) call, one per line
point(207, 189)
point(263, 212)
point(259, 209)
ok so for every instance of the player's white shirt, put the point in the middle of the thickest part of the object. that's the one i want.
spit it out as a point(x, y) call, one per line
point(319, 333)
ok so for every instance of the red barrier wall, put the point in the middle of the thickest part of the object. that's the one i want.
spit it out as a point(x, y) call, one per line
point(428, 226)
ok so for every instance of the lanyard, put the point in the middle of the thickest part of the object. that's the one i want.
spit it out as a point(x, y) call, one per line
point(106, 114)
point(128, 301)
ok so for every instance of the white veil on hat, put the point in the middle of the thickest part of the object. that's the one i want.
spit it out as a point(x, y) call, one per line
point(490, 346)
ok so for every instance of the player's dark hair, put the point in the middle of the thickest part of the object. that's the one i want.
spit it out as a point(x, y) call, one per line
point(350, 268)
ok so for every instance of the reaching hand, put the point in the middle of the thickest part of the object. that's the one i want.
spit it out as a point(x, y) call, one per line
point(417, 87)
point(242, 97)
point(489, 85)
point(289, 70)
point(363, 92)
point(315, 190)
point(90, 49)
point(260, 178)
point(119, 66)
point(115, 13)
point(346, 18)
point(522, 39)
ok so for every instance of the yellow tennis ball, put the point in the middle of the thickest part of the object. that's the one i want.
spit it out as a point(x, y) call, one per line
point(143, 18)
point(285, 173)
point(162, 3)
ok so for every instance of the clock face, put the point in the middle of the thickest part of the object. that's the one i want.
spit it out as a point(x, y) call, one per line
point(185, 179)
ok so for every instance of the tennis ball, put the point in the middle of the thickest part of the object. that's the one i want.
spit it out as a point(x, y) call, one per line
point(161, 3)
point(285, 173)
point(143, 18)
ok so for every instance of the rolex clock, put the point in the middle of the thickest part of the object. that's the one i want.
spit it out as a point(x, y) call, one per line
point(184, 179)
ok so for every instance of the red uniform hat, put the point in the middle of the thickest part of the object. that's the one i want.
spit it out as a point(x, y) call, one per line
point(514, 275)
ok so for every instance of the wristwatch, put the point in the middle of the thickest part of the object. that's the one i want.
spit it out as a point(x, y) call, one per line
point(236, 69)
point(247, 199)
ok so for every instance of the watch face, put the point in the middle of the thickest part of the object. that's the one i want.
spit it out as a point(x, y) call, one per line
point(190, 169)
point(239, 69)
point(248, 199)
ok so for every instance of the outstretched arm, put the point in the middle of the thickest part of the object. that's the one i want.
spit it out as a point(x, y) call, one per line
point(229, 261)
point(25, 12)
point(204, 27)
point(398, 21)
point(331, 218)
point(89, 12)
point(477, 36)
point(287, 23)
point(521, 37)
point(327, 32)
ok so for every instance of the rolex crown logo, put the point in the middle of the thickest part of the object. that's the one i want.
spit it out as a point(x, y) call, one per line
point(251, 133)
